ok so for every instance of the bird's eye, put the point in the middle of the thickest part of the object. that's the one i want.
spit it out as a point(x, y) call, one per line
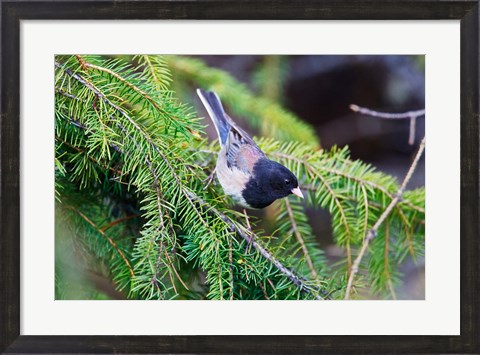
point(287, 181)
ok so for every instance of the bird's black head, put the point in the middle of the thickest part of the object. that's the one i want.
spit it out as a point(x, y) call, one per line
point(270, 181)
point(281, 180)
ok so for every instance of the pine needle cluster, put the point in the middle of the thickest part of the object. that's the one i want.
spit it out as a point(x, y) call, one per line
point(131, 164)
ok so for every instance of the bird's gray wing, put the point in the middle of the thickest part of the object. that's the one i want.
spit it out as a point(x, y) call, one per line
point(241, 150)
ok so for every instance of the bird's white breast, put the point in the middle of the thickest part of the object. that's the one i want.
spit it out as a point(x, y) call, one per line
point(232, 179)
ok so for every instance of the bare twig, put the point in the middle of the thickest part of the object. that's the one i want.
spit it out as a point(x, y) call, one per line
point(387, 115)
point(373, 231)
point(209, 179)
point(412, 115)
point(413, 124)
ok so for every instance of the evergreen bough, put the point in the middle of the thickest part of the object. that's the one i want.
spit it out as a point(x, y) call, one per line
point(130, 167)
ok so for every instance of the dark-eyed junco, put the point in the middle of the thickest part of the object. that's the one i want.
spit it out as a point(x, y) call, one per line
point(243, 170)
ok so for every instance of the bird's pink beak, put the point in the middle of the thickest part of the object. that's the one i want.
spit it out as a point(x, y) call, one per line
point(296, 191)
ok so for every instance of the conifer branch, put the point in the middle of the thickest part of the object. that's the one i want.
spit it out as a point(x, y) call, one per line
point(300, 240)
point(102, 233)
point(103, 97)
point(348, 176)
point(332, 170)
point(158, 78)
point(123, 113)
point(411, 247)
point(123, 80)
point(151, 68)
point(188, 194)
point(147, 161)
point(145, 95)
point(296, 280)
point(230, 260)
point(185, 192)
point(365, 204)
point(386, 261)
point(341, 211)
point(82, 151)
point(373, 231)
point(161, 212)
point(313, 173)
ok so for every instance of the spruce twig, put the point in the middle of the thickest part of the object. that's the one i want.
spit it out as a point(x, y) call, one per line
point(97, 92)
point(296, 280)
point(373, 231)
point(385, 262)
point(300, 239)
point(103, 234)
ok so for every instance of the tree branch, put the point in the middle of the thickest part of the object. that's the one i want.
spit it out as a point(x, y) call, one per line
point(412, 115)
point(300, 239)
point(373, 231)
point(348, 176)
point(334, 172)
point(387, 115)
point(297, 280)
point(146, 137)
point(188, 194)
point(110, 240)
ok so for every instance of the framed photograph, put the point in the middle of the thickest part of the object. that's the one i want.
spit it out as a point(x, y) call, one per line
point(239, 177)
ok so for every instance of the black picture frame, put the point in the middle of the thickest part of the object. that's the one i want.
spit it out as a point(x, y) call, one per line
point(12, 12)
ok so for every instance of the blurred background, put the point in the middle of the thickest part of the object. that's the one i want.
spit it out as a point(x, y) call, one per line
point(319, 90)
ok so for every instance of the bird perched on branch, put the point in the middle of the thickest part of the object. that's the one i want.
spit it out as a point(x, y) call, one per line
point(243, 170)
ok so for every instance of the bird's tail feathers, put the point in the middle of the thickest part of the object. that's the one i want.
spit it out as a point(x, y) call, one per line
point(215, 109)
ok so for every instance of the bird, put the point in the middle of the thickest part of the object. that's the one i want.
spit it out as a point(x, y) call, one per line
point(243, 170)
